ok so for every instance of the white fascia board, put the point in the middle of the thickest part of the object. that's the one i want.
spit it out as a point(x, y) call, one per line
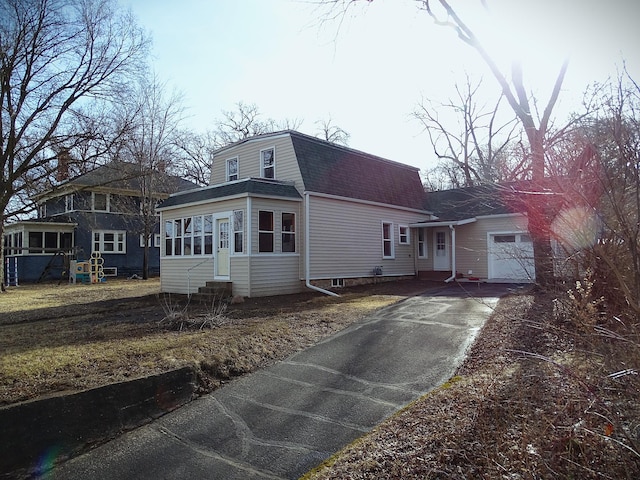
point(451, 223)
point(502, 215)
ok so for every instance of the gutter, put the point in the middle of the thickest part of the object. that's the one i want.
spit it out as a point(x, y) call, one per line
point(307, 253)
point(453, 254)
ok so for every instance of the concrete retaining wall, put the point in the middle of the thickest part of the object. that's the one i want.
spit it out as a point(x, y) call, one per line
point(36, 434)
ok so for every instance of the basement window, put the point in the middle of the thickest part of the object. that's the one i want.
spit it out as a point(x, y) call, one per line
point(337, 282)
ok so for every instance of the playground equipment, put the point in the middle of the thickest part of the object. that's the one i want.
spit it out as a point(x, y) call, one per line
point(90, 271)
point(11, 271)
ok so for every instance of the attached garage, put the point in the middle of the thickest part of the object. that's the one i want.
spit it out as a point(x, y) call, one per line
point(510, 257)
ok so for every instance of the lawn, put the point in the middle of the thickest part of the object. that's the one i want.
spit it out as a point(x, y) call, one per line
point(60, 338)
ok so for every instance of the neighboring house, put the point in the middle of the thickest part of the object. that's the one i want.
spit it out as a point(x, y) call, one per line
point(95, 212)
point(286, 210)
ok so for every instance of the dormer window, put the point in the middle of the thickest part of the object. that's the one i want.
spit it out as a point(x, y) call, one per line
point(232, 169)
point(268, 163)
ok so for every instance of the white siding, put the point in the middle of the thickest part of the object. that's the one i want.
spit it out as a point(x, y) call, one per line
point(248, 154)
point(346, 239)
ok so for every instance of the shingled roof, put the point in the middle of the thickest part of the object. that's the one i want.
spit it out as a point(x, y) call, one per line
point(336, 170)
point(126, 176)
point(255, 186)
point(462, 203)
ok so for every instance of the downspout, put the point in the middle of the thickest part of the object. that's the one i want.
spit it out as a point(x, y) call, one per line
point(307, 253)
point(249, 237)
point(453, 254)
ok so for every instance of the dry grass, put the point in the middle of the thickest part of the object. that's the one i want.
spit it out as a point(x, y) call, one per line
point(23, 302)
point(66, 338)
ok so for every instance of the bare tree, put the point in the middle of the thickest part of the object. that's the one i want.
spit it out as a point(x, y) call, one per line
point(57, 57)
point(473, 139)
point(332, 133)
point(196, 155)
point(246, 121)
point(150, 144)
point(515, 92)
point(605, 177)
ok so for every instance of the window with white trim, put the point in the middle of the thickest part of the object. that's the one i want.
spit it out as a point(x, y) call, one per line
point(422, 244)
point(232, 169)
point(268, 163)
point(403, 235)
point(265, 231)
point(68, 203)
point(208, 234)
point(188, 236)
point(110, 241)
point(238, 231)
point(288, 232)
point(100, 202)
point(152, 240)
point(387, 240)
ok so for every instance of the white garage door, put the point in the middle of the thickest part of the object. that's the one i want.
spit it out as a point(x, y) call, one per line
point(511, 257)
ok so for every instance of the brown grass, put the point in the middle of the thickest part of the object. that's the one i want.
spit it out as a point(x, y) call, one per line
point(527, 403)
point(67, 338)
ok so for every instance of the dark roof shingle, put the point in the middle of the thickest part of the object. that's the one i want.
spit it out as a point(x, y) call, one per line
point(335, 170)
point(127, 176)
point(249, 186)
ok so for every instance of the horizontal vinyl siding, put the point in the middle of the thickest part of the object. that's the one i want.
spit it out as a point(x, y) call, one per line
point(174, 270)
point(346, 239)
point(275, 275)
point(240, 275)
point(248, 155)
point(471, 242)
point(185, 274)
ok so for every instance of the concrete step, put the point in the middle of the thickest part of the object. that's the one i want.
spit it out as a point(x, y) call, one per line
point(215, 289)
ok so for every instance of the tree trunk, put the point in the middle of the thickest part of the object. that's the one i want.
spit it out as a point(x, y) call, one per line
point(540, 213)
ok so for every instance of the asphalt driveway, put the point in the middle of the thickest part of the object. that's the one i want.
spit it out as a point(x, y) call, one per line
point(282, 421)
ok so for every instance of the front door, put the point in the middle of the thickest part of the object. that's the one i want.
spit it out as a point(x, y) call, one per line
point(222, 248)
point(441, 261)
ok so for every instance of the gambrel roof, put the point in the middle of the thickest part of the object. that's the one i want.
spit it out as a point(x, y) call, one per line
point(333, 169)
point(336, 170)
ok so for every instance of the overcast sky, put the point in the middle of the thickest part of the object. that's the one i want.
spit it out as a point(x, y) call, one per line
point(368, 72)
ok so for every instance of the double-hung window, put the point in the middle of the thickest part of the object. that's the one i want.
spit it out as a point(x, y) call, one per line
point(265, 231)
point(403, 235)
point(238, 231)
point(232, 169)
point(107, 241)
point(288, 232)
point(100, 202)
point(189, 236)
point(208, 234)
point(422, 244)
point(268, 163)
point(387, 240)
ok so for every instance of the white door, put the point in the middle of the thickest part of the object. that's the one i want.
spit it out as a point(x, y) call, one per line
point(441, 257)
point(222, 248)
point(511, 257)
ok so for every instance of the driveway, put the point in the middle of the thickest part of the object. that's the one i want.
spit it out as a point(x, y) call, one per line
point(281, 421)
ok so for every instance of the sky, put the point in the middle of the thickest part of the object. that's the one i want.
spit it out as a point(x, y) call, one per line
point(368, 69)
